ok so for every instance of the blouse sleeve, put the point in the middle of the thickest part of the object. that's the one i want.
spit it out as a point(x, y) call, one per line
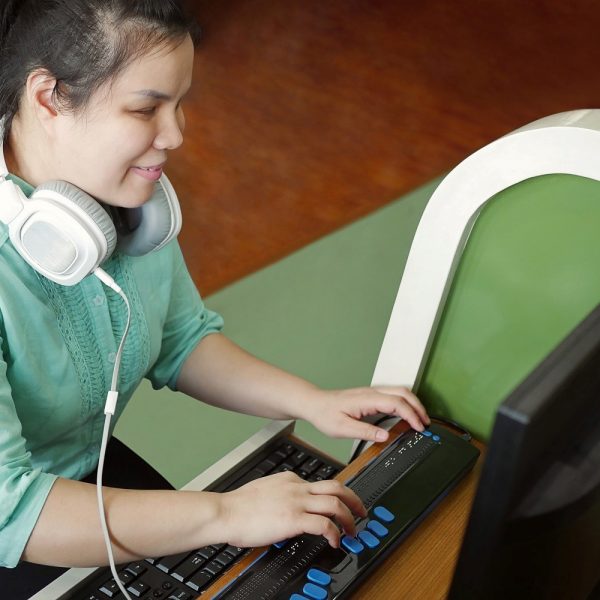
point(187, 322)
point(23, 489)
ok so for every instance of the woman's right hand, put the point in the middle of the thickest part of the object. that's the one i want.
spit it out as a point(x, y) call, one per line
point(278, 507)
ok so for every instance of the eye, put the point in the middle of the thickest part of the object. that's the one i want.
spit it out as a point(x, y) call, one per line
point(150, 110)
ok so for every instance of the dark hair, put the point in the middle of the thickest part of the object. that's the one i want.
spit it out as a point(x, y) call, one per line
point(82, 43)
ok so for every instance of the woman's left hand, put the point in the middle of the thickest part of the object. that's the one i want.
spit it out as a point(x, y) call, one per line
point(338, 413)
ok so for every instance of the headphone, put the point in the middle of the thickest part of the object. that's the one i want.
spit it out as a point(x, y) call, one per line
point(65, 234)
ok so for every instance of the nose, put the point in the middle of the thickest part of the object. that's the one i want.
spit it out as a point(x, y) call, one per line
point(170, 133)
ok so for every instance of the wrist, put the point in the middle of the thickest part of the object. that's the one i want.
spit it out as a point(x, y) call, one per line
point(210, 520)
point(309, 405)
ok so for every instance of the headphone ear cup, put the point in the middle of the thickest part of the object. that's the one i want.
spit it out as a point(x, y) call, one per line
point(101, 226)
point(67, 234)
point(153, 224)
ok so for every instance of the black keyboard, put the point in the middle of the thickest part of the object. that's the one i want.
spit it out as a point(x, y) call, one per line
point(184, 576)
point(399, 488)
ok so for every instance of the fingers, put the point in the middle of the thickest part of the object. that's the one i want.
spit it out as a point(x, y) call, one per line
point(410, 398)
point(334, 508)
point(402, 402)
point(331, 487)
point(331, 501)
point(320, 525)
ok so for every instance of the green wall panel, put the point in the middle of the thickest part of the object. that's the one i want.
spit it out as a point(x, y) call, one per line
point(529, 274)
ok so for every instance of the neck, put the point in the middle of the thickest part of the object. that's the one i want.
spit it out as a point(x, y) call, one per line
point(9, 158)
point(19, 161)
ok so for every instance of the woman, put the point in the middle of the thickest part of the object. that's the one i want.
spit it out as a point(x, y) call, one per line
point(91, 93)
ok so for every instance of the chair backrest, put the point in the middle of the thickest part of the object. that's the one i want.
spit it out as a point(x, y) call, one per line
point(472, 319)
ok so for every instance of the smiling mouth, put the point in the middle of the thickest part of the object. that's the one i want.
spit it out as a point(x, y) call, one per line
point(155, 168)
point(153, 173)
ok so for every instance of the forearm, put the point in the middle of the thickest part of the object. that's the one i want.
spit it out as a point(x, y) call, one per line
point(222, 374)
point(141, 523)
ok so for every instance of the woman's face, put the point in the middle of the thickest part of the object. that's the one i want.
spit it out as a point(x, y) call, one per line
point(116, 148)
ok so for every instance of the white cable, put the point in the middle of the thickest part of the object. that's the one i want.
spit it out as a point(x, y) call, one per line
point(109, 409)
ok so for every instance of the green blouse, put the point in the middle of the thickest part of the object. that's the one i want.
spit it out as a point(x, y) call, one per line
point(57, 350)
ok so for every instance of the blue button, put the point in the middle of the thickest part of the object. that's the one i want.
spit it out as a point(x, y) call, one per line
point(319, 577)
point(377, 528)
point(369, 539)
point(298, 597)
point(314, 591)
point(280, 544)
point(436, 438)
point(352, 544)
point(383, 513)
point(426, 433)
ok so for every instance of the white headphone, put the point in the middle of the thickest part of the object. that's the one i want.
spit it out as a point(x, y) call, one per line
point(64, 234)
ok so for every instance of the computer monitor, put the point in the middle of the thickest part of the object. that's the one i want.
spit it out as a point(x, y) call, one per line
point(534, 528)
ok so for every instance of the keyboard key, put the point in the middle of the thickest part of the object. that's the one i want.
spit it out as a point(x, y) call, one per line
point(286, 449)
point(298, 597)
point(368, 539)
point(383, 514)
point(352, 545)
point(319, 577)
point(283, 468)
point(218, 547)
point(213, 567)
point(235, 551)
point(138, 589)
point(168, 563)
point(280, 545)
point(200, 580)
point(224, 558)
point(188, 567)
point(179, 595)
point(136, 569)
point(297, 459)
point(206, 552)
point(266, 466)
point(326, 471)
point(426, 433)
point(314, 591)
point(279, 455)
point(377, 528)
point(126, 577)
point(110, 588)
point(436, 438)
point(311, 465)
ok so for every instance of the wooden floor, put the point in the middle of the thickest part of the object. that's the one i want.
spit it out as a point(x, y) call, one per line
point(308, 114)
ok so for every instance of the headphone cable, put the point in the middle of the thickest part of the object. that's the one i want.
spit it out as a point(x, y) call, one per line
point(109, 411)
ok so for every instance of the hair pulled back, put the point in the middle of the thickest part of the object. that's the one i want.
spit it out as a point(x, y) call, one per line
point(81, 43)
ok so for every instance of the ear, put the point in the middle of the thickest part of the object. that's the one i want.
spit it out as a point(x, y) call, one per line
point(39, 91)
